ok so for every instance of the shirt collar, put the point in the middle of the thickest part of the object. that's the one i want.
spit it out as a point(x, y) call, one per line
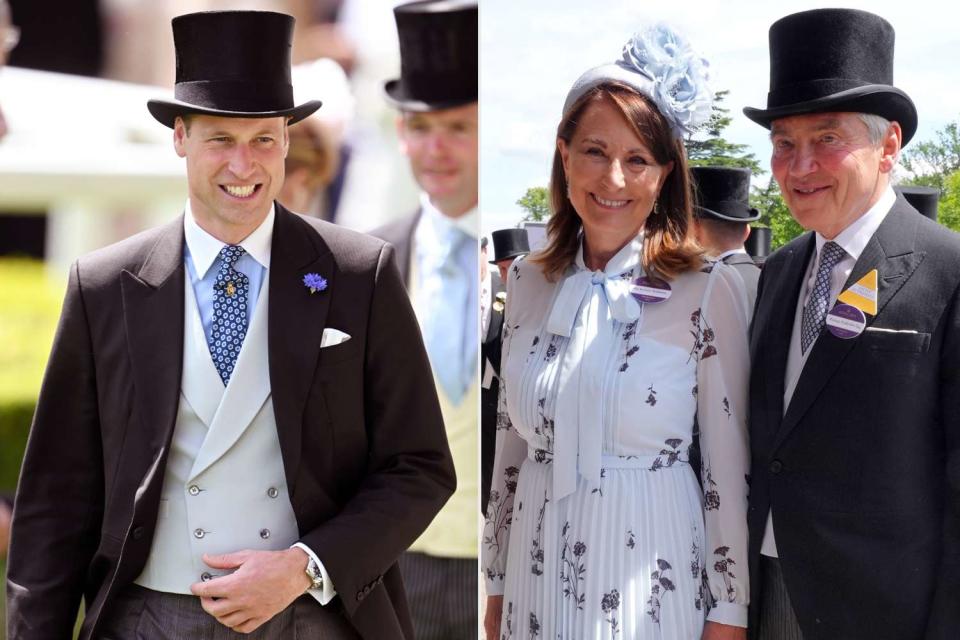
point(623, 260)
point(435, 222)
point(855, 237)
point(204, 248)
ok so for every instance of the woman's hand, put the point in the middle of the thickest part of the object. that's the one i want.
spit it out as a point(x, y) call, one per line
point(716, 631)
point(491, 620)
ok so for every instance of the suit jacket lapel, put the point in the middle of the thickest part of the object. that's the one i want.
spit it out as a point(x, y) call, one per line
point(773, 328)
point(891, 252)
point(296, 321)
point(153, 318)
point(404, 249)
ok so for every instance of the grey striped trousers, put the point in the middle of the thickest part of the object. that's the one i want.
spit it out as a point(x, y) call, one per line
point(442, 593)
point(143, 614)
point(777, 618)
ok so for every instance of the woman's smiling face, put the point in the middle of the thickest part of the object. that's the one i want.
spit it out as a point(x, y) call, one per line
point(612, 176)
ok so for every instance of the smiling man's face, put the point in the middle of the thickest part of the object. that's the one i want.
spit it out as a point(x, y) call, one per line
point(828, 169)
point(234, 170)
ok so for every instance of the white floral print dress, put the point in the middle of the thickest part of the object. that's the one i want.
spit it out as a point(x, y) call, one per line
point(596, 526)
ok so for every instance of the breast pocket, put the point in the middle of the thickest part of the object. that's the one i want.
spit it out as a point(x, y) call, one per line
point(879, 339)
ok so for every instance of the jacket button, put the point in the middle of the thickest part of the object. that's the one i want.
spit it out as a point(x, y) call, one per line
point(138, 533)
point(776, 467)
point(199, 533)
point(194, 490)
point(264, 533)
point(205, 576)
point(272, 492)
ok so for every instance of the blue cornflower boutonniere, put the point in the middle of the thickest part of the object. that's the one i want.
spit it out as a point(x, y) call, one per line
point(315, 282)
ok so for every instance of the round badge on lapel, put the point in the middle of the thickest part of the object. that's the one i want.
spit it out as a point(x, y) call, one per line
point(650, 290)
point(845, 321)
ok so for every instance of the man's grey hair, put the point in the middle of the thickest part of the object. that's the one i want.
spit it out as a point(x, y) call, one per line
point(877, 126)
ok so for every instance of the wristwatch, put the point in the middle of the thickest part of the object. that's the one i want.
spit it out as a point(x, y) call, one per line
point(313, 572)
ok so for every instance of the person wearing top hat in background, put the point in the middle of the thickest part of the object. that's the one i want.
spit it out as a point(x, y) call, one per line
point(221, 428)
point(923, 199)
point(854, 418)
point(508, 244)
point(721, 221)
point(436, 95)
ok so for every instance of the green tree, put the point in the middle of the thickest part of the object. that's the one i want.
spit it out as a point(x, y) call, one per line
point(536, 202)
point(932, 162)
point(949, 209)
point(774, 214)
point(707, 146)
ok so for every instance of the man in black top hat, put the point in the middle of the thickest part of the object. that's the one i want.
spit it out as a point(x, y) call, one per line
point(436, 95)
point(855, 385)
point(221, 438)
point(721, 222)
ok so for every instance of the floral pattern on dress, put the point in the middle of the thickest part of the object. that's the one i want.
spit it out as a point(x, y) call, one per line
point(703, 337)
point(572, 568)
point(722, 566)
point(609, 605)
point(660, 585)
point(668, 457)
point(536, 546)
point(499, 511)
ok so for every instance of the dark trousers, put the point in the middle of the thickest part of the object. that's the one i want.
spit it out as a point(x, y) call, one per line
point(777, 619)
point(442, 593)
point(143, 614)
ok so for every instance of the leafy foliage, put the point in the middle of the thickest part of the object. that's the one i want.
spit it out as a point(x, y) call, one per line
point(714, 150)
point(536, 202)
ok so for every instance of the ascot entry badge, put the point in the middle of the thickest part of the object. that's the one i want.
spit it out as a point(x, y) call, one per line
point(650, 290)
point(847, 320)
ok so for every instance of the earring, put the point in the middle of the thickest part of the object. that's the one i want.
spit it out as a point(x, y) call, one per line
point(567, 183)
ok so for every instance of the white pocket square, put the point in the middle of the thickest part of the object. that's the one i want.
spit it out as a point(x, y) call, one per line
point(333, 337)
point(885, 330)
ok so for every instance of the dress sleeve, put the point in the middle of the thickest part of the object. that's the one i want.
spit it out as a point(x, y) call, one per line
point(723, 371)
point(511, 450)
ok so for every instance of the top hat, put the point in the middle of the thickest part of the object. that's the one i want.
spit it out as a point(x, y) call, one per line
point(438, 55)
point(509, 243)
point(923, 199)
point(834, 60)
point(234, 64)
point(723, 193)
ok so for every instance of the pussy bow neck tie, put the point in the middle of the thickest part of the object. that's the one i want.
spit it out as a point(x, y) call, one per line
point(578, 421)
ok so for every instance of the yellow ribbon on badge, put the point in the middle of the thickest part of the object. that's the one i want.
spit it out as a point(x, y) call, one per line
point(862, 294)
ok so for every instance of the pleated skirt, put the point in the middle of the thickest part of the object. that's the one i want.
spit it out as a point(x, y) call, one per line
point(623, 560)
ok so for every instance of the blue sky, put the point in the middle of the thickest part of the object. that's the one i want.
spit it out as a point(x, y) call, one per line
point(533, 50)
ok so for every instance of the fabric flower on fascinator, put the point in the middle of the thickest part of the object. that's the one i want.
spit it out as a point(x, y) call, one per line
point(680, 75)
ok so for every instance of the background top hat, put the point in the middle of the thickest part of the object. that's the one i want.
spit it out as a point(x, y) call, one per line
point(232, 63)
point(509, 243)
point(723, 193)
point(923, 199)
point(834, 60)
point(438, 55)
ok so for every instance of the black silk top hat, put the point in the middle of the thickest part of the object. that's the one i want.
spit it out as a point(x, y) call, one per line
point(438, 55)
point(509, 243)
point(834, 60)
point(723, 193)
point(923, 199)
point(234, 64)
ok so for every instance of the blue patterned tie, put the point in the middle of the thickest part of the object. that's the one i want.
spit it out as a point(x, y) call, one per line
point(229, 312)
point(815, 313)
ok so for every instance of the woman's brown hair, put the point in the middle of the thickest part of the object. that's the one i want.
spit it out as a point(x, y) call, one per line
point(667, 249)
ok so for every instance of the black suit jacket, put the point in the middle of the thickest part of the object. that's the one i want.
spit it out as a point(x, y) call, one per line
point(364, 450)
point(862, 471)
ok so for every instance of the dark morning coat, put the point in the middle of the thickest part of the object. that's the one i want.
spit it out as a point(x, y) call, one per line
point(863, 469)
point(364, 449)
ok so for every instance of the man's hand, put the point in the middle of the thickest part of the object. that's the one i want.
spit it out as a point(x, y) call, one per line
point(717, 631)
point(263, 585)
point(491, 619)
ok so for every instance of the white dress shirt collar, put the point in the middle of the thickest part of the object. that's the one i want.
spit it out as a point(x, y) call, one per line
point(204, 248)
point(855, 237)
point(433, 222)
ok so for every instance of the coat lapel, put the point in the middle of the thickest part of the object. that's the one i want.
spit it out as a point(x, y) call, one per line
point(891, 252)
point(153, 318)
point(774, 331)
point(296, 322)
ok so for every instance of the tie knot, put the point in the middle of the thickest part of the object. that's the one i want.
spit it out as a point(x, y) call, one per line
point(230, 253)
point(830, 255)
